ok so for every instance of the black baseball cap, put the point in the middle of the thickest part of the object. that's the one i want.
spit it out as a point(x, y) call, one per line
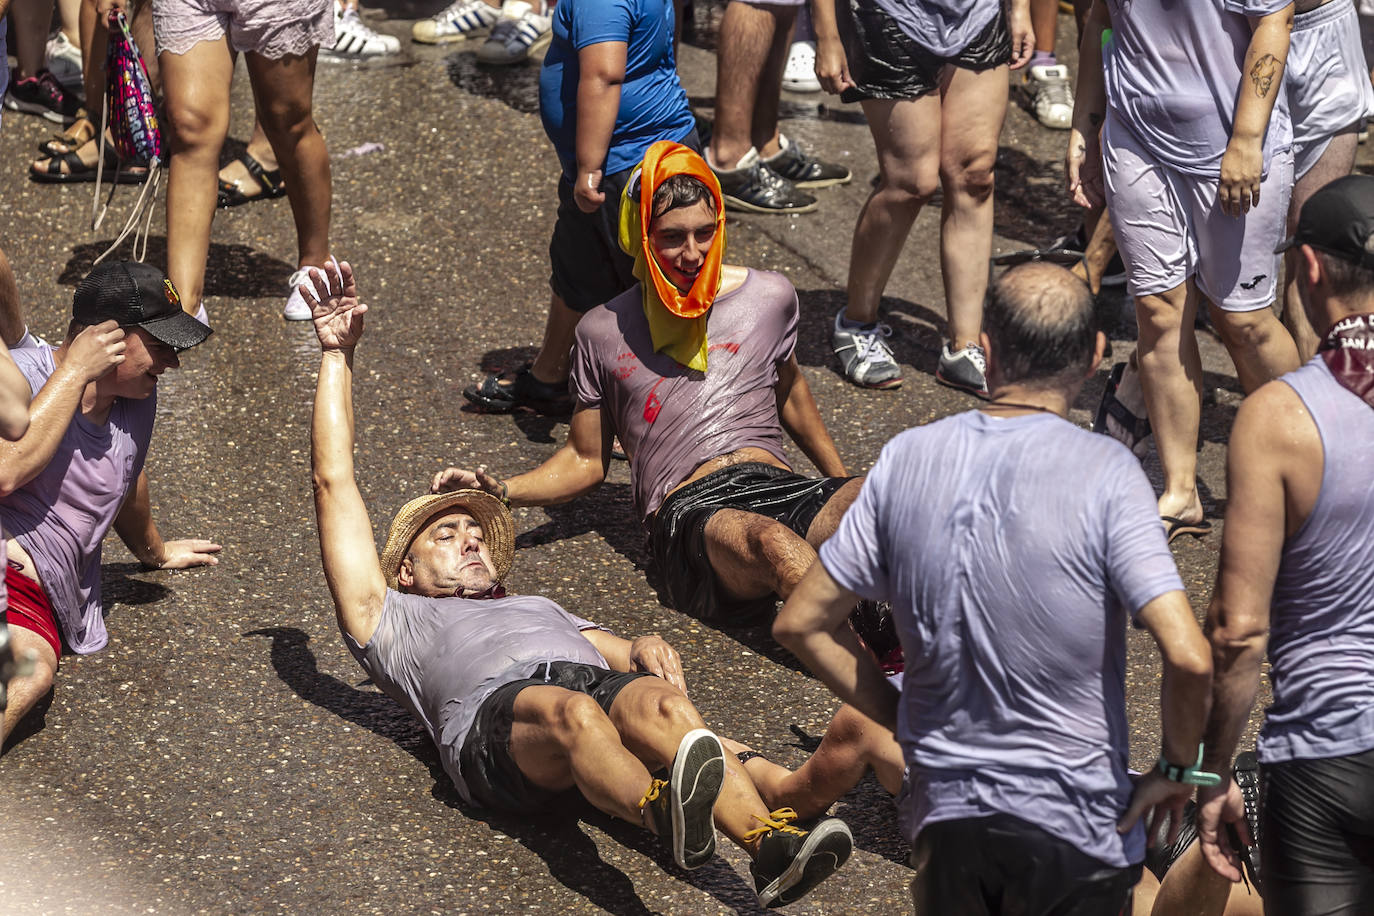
point(136, 295)
point(1339, 220)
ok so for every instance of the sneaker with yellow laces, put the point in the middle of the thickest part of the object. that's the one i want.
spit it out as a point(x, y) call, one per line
point(791, 861)
point(679, 809)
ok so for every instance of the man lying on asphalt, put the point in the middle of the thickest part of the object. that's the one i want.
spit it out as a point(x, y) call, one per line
point(523, 699)
point(694, 370)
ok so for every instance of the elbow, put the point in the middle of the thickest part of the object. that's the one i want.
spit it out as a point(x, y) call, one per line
point(14, 424)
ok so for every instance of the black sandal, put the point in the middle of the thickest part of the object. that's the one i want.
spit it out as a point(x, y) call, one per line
point(270, 184)
point(69, 140)
point(499, 394)
point(1133, 431)
point(78, 171)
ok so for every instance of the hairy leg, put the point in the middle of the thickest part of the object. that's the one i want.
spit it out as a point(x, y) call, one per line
point(828, 519)
point(763, 127)
point(283, 90)
point(1101, 248)
point(198, 107)
point(973, 108)
point(1259, 344)
point(906, 136)
point(754, 556)
point(746, 36)
point(1171, 379)
point(25, 692)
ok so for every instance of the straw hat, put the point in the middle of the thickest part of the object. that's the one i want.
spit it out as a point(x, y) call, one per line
point(497, 528)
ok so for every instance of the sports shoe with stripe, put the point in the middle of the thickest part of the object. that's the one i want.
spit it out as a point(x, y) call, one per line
point(462, 20)
point(791, 861)
point(680, 806)
point(521, 32)
point(355, 40)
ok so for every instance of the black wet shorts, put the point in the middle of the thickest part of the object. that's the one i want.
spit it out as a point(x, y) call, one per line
point(494, 781)
point(587, 266)
point(887, 63)
point(969, 866)
point(681, 569)
point(1317, 835)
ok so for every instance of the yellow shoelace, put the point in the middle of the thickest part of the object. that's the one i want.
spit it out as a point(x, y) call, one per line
point(655, 788)
point(777, 820)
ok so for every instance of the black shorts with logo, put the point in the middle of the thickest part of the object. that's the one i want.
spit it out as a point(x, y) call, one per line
point(887, 63)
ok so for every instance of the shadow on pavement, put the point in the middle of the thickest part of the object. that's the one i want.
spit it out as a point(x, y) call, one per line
point(234, 271)
point(118, 585)
point(917, 331)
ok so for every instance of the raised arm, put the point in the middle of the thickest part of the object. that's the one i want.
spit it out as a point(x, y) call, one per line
point(802, 419)
point(14, 398)
point(349, 553)
point(601, 72)
point(1261, 83)
point(89, 355)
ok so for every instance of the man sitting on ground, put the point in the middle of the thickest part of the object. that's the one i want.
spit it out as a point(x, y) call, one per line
point(524, 700)
point(694, 370)
point(79, 467)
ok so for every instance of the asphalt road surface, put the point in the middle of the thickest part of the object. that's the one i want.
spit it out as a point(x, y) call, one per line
point(225, 754)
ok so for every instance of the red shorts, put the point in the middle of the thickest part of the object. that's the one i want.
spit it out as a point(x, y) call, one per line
point(30, 608)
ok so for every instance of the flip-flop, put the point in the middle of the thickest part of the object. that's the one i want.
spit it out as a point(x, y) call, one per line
point(1134, 431)
point(1177, 527)
point(269, 184)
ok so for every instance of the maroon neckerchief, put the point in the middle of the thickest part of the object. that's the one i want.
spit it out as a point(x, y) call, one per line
point(496, 591)
point(1348, 350)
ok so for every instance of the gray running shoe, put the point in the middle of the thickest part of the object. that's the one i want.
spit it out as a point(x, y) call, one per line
point(681, 807)
point(792, 861)
point(755, 188)
point(804, 170)
point(963, 369)
point(865, 355)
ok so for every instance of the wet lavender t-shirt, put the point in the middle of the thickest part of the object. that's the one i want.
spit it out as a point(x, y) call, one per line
point(441, 658)
point(672, 419)
point(1174, 72)
point(61, 516)
point(943, 27)
point(1012, 550)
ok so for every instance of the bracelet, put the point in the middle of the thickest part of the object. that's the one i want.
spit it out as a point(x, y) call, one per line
point(505, 494)
point(1188, 775)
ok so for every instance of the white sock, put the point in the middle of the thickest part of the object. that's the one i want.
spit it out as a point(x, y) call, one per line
point(202, 316)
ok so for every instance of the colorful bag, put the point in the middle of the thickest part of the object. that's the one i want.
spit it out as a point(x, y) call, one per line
point(129, 116)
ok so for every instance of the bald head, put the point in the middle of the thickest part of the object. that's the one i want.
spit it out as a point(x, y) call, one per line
point(1041, 324)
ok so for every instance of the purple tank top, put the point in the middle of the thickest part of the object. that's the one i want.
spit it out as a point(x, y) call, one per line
point(1321, 641)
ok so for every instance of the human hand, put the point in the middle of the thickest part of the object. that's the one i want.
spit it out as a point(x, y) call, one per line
point(1022, 34)
point(96, 350)
point(188, 553)
point(832, 67)
point(653, 655)
point(450, 479)
point(103, 8)
point(1218, 806)
point(1154, 797)
point(1083, 169)
point(334, 306)
point(587, 190)
point(1241, 165)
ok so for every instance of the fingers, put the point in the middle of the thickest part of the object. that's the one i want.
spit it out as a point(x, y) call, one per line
point(1140, 803)
point(1221, 858)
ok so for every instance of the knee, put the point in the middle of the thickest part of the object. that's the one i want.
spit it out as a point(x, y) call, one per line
point(576, 716)
point(787, 555)
point(197, 125)
point(971, 177)
point(910, 186)
point(285, 119)
point(674, 709)
point(1246, 330)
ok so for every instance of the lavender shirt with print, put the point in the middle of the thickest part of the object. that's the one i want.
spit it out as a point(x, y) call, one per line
point(61, 516)
point(671, 419)
point(1012, 550)
point(1174, 71)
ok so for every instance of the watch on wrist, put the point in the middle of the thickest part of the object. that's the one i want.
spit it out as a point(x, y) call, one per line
point(1188, 775)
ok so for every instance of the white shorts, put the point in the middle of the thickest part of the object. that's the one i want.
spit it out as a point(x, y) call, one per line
point(1327, 81)
point(271, 28)
point(1169, 226)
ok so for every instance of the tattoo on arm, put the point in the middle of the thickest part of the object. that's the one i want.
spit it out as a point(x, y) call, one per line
point(1264, 73)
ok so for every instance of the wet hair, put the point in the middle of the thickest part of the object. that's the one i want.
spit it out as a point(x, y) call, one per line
point(681, 191)
point(1041, 323)
point(1346, 278)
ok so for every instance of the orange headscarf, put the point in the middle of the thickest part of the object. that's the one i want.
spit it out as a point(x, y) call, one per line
point(677, 322)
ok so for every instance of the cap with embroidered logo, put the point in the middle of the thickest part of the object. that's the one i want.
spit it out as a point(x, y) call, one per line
point(136, 295)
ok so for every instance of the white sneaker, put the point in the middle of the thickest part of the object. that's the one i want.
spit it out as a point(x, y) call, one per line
point(800, 72)
point(354, 40)
point(521, 33)
point(1051, 96)
point(64, 60)
point(463, 20)
point(865, 355)
point(964, 369)
point(297, 309)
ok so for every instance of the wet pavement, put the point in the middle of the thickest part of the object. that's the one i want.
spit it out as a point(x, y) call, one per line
point(224, 754)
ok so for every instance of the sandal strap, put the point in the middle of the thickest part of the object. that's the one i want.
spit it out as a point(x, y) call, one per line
point(267, 180)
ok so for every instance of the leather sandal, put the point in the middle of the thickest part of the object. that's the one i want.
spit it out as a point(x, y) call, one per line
point(269, 184)
point(78, 171)
point(1131, 431)
point(78, 134)
point(499, 393)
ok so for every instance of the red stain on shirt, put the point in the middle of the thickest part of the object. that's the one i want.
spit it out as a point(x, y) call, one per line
point(652, 405)
point(730, 347)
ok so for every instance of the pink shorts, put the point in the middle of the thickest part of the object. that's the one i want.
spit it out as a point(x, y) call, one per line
point(271, 28)
point(1169, 226)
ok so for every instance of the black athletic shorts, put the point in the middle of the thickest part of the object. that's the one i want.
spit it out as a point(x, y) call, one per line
point(1317, 836)
point(887, 63)
point(587, 266)
point(971, 866)
point(681, 571)
point(494, 781)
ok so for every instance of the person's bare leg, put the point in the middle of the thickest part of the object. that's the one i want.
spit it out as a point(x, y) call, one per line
point(1044, 16)
point(1191, 888)
point(12, 325)
point(261, 150)
point(141, 27)
point(972, 111)
point(1336, 161)
point(70, 13)
point(197, 103)
point(28, 35)
point(1259, 344)
point(754, 556)
point(554, 360)
point(763, 128)
point(283, 91)
point(746, 35)
point(1171, 378)
point(1146, 889)
point(906, 136)
point(25, 692)
point(828, 519)
point(1100, 250)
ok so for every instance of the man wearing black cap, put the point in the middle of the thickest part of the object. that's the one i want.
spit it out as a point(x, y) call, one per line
point(79, 467)
point(1295, 579)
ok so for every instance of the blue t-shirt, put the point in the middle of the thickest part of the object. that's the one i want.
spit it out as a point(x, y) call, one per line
point(653, 105)
point(1013, 551)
